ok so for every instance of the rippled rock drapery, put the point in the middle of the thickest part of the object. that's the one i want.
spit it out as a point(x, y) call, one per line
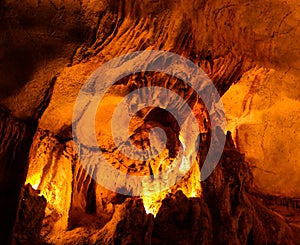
point(227, 211)
point(60, 43)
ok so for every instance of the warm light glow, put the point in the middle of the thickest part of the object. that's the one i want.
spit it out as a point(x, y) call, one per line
point(188, 175)
point(34, 181)
point(153, 203)
point(189, 184)
point(190, 187)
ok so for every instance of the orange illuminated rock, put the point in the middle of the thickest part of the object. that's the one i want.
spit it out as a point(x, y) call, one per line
point(250, 50)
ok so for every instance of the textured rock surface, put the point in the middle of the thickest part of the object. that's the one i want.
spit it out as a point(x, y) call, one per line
point(16, 138)
point(188, 220)
point(237, 215)
point(225, 212)
point(28, 226)
point(48, 50)
point(263, 113)
point(50, 159)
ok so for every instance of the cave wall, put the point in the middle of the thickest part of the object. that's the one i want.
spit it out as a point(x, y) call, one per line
point(51, 48)
point(263, 114)
point(16, 138)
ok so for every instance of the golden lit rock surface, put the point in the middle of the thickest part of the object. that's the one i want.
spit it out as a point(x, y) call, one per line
point(263, 112)
point(51, 173)
point(250, 50)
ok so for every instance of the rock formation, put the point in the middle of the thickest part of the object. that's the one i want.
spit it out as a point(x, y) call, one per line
point(250, 50)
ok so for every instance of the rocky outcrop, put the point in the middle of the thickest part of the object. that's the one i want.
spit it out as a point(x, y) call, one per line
point(50, 172)
point(183, 220)
point(226, 211)
point(238, 216)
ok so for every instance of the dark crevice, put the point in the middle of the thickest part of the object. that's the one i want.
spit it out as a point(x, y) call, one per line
point(91, 198)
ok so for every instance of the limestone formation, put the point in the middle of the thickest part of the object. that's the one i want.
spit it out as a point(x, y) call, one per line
point(250, 51)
